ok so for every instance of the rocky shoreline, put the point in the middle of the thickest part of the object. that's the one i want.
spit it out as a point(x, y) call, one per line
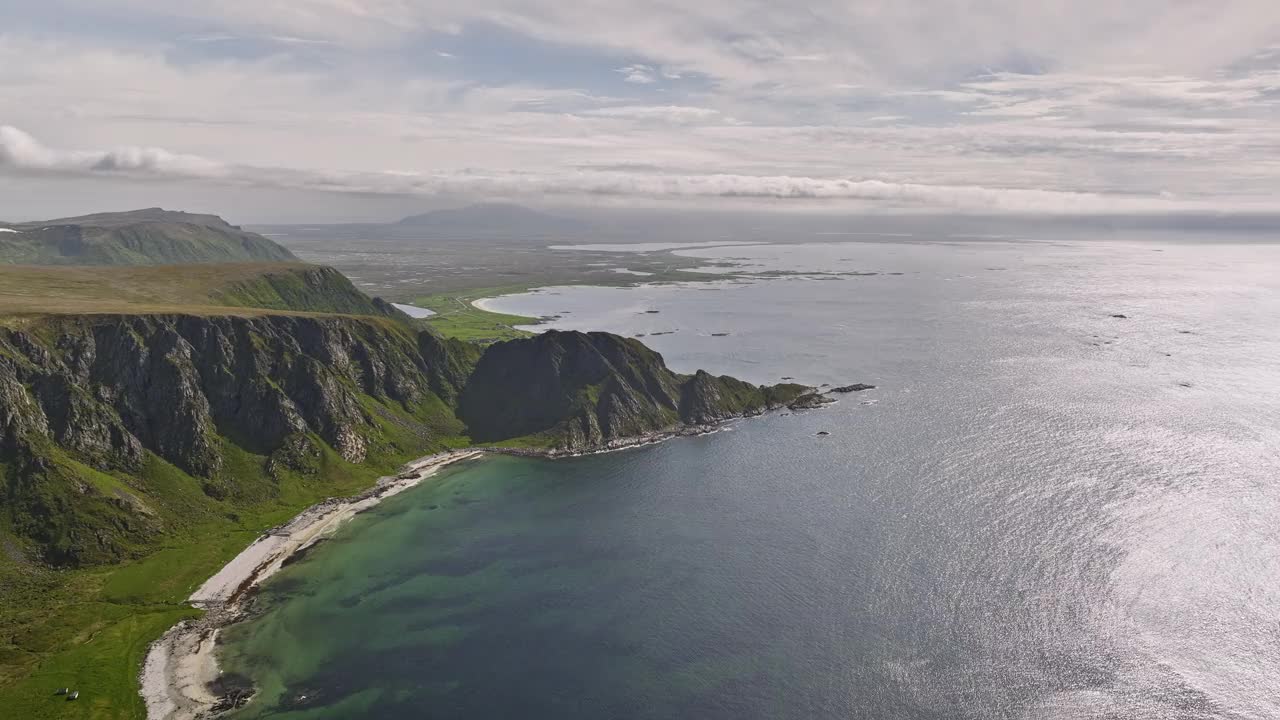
point(613, 445)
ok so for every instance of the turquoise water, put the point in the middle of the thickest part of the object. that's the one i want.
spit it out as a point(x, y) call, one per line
point(1042, 512)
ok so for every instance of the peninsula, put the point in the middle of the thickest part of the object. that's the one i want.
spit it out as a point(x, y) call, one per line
point(155, 421)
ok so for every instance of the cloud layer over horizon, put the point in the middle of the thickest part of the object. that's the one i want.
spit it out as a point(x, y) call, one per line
point(1048, 106)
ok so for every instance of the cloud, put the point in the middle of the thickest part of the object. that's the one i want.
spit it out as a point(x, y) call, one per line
point(21, 152)
point(638, 74)
point(1002, 104)
point(667, 113)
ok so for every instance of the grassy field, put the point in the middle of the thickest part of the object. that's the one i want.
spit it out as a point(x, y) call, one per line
point(456, 317)
point(27, 290)
point(89, 629)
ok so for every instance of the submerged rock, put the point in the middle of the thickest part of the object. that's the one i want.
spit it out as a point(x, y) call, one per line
point(809, 401)
point(856, 387)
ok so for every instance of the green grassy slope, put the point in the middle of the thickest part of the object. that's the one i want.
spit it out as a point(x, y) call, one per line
point(89, 628)
point(142, 237)
point(456, 317)
point(251, 288)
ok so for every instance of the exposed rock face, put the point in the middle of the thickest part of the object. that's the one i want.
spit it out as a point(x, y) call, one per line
point(809, 401)
point(89, 405)
point(105, 392)
point(856, 387)
point(583, 390)
point(111, 386)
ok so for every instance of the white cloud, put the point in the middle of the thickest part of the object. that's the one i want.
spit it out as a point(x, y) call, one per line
point(1002, 104)
point(639, 74)
point(668, 113)
point(21, 152)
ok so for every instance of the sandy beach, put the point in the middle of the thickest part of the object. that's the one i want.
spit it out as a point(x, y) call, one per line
point(483, 304)
point(176, 675)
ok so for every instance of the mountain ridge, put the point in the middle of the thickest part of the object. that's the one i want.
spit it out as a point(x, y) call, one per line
point(151, 236)
point(490, 215)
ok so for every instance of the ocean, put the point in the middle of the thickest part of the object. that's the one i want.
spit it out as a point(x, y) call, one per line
point(1060, 501)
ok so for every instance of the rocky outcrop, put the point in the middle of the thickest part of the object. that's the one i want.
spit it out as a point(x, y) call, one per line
point(856, 387)
point(89, 405)
point(576, 391)
point(104, 393)
point(809, 401)
point(175, 384)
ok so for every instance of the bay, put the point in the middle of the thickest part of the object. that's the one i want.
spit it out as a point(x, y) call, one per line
point(1043, 510)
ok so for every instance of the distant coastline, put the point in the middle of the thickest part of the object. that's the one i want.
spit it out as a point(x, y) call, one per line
point(484, 304)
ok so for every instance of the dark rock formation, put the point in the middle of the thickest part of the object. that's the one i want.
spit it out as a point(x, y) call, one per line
point(809, 401)
point(856, 387)
point(90, 404)
point(102, 394)
point(576, 391)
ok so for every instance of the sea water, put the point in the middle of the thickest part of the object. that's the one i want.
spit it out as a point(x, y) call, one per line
point(1043, 510)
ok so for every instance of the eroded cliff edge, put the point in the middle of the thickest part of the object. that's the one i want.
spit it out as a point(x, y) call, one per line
point(116, 428)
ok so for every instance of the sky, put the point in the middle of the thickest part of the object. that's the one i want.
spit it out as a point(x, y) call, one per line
point(299, 110)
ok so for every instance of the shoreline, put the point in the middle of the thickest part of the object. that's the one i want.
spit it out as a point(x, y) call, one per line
point(179, 668)
point(618, 445)
point(479, 304)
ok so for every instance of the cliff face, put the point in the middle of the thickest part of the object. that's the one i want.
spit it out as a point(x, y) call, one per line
point(103, 397)
point(576, 391)
point(114, 426)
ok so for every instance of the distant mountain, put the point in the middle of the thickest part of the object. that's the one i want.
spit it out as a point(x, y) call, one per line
point(500, 219)
point(140, 237)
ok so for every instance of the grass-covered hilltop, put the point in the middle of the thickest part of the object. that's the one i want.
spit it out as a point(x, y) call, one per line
point(154, 420)
point(140, 237)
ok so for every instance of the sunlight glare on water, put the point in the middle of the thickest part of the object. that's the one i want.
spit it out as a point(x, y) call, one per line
point(1043, 511)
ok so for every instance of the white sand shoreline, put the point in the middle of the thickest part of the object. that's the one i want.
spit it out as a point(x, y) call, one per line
point(180, 666)
point(483, 304)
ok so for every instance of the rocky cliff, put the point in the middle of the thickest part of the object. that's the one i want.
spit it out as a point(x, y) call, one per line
point(577, 391)
point(115, 427)
point(90, 405)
